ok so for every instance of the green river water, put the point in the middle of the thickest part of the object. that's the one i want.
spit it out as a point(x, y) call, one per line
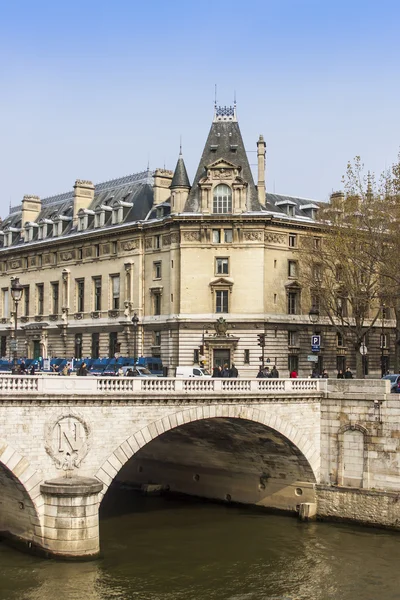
point(170, 549)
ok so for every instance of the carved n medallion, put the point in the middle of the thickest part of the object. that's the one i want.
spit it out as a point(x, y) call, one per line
point(67, 441)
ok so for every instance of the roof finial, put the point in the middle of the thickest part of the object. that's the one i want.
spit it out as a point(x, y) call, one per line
point(180, 145)
point(215, 96)
point(148, 164)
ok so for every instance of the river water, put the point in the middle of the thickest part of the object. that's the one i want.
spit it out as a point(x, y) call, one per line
point(170, 549)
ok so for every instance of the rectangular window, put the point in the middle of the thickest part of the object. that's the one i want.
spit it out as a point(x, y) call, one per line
point(157, 241)
point(40, 298)
point(222, 266)
point(39, 260)
point(292, 240)
point(114, 247)
point(228, 236)
point(292, 268)
point(315, 301)
point(196, 356)
point(293, 303)
point(157, 338)
point(157, 270)
point(97, 293)
point(216, 233)
point(54, 297)
point(115, 292)
point(3, 346)
point(293, 363)
point(80, 253)
point(386, 312)
point(97, 250)
point(95, 345)
point(113, 346)
point(384, 340)
point(339, 340)
point(221, 301)
point(246, 357)
point(80, 295)
point(317, 272)
point(341, 306)
point(293, 338)
point(317, 243)
point(5, 302)
point(54, 254)
point(157, 304)
point(25, 301)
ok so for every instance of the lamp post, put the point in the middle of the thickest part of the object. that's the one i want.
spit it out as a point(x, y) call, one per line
point(16, 293)
point(135, 321)
point(383, 341)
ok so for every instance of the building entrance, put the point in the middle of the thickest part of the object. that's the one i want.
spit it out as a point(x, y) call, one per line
point(36, 348)
point(221, 357)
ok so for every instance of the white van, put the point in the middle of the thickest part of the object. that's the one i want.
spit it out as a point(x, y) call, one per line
point(191, 372)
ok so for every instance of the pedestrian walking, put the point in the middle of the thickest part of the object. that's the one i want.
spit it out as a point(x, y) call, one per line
point(225, 371)
point(274, 372)
point(348, 374)
point(233, 372)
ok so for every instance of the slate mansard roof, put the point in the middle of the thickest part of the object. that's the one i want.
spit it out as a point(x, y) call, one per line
point(136, 189)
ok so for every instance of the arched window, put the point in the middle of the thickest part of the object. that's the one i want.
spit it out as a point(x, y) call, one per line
point(222, 199)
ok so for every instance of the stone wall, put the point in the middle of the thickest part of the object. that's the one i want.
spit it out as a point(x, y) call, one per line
point(367, 507)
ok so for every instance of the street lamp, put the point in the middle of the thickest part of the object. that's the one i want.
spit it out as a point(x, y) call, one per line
point(135, 321)
point(383, 370)
point(16, 293)
point(313, 315)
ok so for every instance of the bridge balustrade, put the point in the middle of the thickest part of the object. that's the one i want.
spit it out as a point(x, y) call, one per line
point(45, 384)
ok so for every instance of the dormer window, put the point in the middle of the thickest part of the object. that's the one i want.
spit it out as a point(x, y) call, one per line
point(222, 199)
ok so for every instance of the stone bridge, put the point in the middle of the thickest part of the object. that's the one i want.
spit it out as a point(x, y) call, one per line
point(315, 447)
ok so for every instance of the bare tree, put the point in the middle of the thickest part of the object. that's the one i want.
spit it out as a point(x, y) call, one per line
point(342, 270)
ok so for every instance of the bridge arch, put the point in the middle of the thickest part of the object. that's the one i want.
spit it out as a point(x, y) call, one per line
point(19, 487)
point(125, 451)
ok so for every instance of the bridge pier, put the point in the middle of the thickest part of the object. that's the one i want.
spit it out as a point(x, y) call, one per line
point(71, 517)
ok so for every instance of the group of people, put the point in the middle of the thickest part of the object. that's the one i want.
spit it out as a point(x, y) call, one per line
point(347, 374)
point(266, 372)
point(225, 371)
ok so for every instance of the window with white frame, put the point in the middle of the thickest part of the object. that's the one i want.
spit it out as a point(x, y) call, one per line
point(222, 266)
point(292, 240)
point(292, 268)
point(157, 270)
point(115, 292)
point(222, 301)
point(293, 338)
point(222, 199)
point(222, 236)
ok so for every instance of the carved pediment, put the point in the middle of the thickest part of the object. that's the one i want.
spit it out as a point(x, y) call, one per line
point(222, 163)
point(222, 282)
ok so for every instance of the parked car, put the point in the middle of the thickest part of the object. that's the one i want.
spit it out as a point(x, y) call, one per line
point(191, 372)
point(394, 382)
point(137, 372)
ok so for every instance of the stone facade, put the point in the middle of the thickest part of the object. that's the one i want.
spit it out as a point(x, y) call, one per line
point(179, 255)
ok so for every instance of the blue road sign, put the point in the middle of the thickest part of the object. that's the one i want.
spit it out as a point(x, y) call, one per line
point(315, 343)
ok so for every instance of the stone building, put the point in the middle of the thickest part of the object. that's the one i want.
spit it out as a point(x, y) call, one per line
point(179, 255)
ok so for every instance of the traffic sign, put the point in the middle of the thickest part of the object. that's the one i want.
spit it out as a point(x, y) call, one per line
point(13, 346)
point(315, 343)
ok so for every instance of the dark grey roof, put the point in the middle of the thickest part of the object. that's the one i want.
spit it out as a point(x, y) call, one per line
point(224, 142)
point(180, 178)
point(277, 203)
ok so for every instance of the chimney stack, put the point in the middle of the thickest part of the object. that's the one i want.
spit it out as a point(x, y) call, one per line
point(83, 197)
point(261, 170)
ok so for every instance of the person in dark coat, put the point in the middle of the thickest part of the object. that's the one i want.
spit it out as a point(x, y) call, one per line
point(348, 374)
point(260, 374)
point(233, 372)
point(325, 374)
point(225, 371)
point(340, 374)
point(216, 372)
point(83, 370)
point(274, 373)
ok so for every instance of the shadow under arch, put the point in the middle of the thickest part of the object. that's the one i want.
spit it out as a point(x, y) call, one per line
point(145, 435)
point(19, 513)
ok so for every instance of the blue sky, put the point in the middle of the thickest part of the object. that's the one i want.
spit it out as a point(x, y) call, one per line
point(95, 90)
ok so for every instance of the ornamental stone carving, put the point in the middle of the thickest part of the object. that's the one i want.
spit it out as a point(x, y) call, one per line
point(47, 259)
point(222, 174)
point(166, 239)
point(252, 236)
point(191, 236)
point(88, 252)
point(221, 327)
point(66, 255)
point(33, 261)
point(67, 440)
point(106, 248)
point(148, 244)
point(15, 264)
point(131, 245)
point(174, 237)
point(274, 238)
